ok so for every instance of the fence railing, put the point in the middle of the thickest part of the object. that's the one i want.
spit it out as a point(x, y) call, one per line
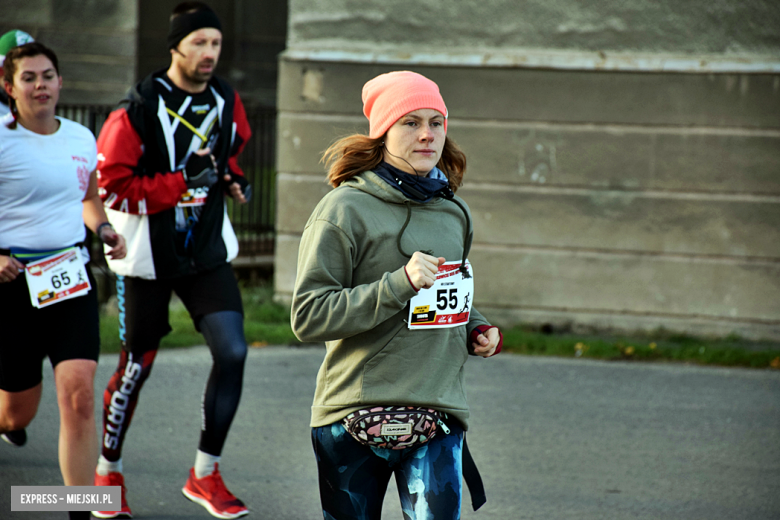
point(252, 222)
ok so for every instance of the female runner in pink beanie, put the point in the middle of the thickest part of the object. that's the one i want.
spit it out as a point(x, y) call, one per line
point(388, 97)
point(390, 396)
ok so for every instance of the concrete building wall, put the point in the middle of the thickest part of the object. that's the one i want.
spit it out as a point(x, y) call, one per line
point(624, 157)
point(694, 27)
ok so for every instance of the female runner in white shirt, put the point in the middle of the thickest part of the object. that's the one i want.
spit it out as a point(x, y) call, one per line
point(48, 191)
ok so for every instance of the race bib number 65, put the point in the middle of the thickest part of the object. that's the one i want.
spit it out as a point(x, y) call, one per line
point(447, 303)
point(57, 278)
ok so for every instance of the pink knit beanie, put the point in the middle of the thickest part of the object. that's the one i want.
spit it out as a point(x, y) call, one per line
point(388, 97)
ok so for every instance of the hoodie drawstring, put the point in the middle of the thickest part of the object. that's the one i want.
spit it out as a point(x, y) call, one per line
point(449, 195)
point(408, 205)
point(466, 245)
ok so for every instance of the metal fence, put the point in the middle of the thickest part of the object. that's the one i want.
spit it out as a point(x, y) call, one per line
point(253, 222)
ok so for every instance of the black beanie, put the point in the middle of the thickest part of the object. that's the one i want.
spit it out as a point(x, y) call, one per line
point(186, 23)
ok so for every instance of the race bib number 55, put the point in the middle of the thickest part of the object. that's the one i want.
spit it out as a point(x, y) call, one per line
point(57, 278)
point(447, 303)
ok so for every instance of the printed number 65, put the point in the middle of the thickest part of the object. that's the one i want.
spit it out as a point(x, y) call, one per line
point(441, 299)
point(57, 284)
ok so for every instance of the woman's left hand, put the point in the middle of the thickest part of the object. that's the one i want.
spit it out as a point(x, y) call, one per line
point(486, 343)
point(115, 241)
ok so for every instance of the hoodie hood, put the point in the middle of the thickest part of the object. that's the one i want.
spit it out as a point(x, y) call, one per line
point(371, 183)
point(415, 187)
point(375, 185)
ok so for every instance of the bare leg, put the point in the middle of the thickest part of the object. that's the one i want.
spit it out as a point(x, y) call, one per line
point(17, 409)
point(78, 448)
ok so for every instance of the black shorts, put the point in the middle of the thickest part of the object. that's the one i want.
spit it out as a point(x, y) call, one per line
point(66, 330)
point(143, 304)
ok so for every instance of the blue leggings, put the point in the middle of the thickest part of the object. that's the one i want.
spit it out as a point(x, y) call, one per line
point(353, 478)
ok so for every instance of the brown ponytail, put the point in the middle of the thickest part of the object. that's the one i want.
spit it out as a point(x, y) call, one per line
point(14, 113)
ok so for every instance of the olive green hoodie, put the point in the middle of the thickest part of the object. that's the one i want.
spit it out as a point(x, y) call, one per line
point(352, 293)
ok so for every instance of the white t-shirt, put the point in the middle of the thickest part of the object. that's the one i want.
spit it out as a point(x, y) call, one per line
point(43, 180)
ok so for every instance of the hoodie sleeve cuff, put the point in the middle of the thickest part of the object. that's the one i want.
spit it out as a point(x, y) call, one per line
point(401, 288)
point(481, 329)
point(410, 280)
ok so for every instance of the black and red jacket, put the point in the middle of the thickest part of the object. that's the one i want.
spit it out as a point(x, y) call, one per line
point(141, 183)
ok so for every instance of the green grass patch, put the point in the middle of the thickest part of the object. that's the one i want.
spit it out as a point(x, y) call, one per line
point(265, 323)
point(730, 351)
point(268, 323)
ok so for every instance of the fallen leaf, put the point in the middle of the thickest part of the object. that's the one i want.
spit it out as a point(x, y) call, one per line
point(579, 349)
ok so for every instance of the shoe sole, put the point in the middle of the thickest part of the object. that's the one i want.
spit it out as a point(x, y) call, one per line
point(205, 503)
point(12, 443)
point(111, 514)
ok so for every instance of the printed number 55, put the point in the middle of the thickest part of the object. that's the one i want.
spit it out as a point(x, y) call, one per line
point(441, 298)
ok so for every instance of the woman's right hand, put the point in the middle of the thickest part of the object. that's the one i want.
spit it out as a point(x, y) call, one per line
point(9, 268)
point(421, 270)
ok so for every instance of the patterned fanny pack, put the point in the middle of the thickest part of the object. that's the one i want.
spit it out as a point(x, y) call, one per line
point(394, 427)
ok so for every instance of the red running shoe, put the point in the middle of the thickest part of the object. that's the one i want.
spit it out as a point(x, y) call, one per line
point(211, 493)
point(113, 479)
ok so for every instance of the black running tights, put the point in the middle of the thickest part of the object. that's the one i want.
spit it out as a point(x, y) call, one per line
point(224, 333)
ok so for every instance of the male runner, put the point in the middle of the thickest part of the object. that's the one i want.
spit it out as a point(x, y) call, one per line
point(167, 158)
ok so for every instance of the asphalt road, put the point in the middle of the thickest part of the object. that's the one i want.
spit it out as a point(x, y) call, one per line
point(554, 439)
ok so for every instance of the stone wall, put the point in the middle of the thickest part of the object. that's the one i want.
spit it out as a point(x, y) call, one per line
point(95, 42)
point(624, 161)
